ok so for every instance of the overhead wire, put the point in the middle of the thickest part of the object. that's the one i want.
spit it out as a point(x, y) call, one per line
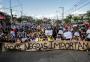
point(79, 4)
point(86, 2)
point(21, 7)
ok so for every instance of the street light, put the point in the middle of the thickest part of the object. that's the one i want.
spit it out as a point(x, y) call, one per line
point(62, 14)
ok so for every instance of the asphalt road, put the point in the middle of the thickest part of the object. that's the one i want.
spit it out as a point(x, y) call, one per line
point(50, 56)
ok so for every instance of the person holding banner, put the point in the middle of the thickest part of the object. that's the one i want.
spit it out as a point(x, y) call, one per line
point(55, 32)
point(88, 34)
point(12, 35)
point(60, 34)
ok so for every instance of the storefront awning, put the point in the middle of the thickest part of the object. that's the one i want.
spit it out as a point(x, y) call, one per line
point(2, 17)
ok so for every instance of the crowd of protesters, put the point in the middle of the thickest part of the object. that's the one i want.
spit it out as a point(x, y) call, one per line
point(79, 32)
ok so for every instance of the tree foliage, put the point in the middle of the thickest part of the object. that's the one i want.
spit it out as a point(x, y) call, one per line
point(67, 20)
point(39, 21)
point(88, 16)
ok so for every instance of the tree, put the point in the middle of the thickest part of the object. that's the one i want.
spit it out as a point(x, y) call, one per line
point(67, 21)
point(26, 18)
point(30, 19)
point(88, 16)
point(69, 17)
point(19, 19)
point(39, 21)
point(76, 18)
point(58, 22)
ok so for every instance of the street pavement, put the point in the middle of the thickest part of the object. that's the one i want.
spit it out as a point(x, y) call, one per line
point(46, 56)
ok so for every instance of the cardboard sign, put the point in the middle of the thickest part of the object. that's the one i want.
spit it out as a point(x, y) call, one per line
point(48, 32)
point(35, 46)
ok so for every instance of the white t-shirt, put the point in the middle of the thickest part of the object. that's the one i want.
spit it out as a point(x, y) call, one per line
point(1, 34)
point(68, 35)
point(88, 31)
point(24, 39)
point(48, 32)
point(60, 32)
point(12, 33)
point(76, 34)
point(88, 36)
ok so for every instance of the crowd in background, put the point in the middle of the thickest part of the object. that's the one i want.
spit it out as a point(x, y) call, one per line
point(79, 32)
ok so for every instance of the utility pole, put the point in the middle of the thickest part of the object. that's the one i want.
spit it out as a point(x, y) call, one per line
point(57, 14)
point(75, 9)
point(11, 20)
point(62, 14)
point(21, 15)
point(21, 11)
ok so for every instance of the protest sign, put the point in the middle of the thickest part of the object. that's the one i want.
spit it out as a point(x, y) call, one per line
point(48, 32)
point(60, 45)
